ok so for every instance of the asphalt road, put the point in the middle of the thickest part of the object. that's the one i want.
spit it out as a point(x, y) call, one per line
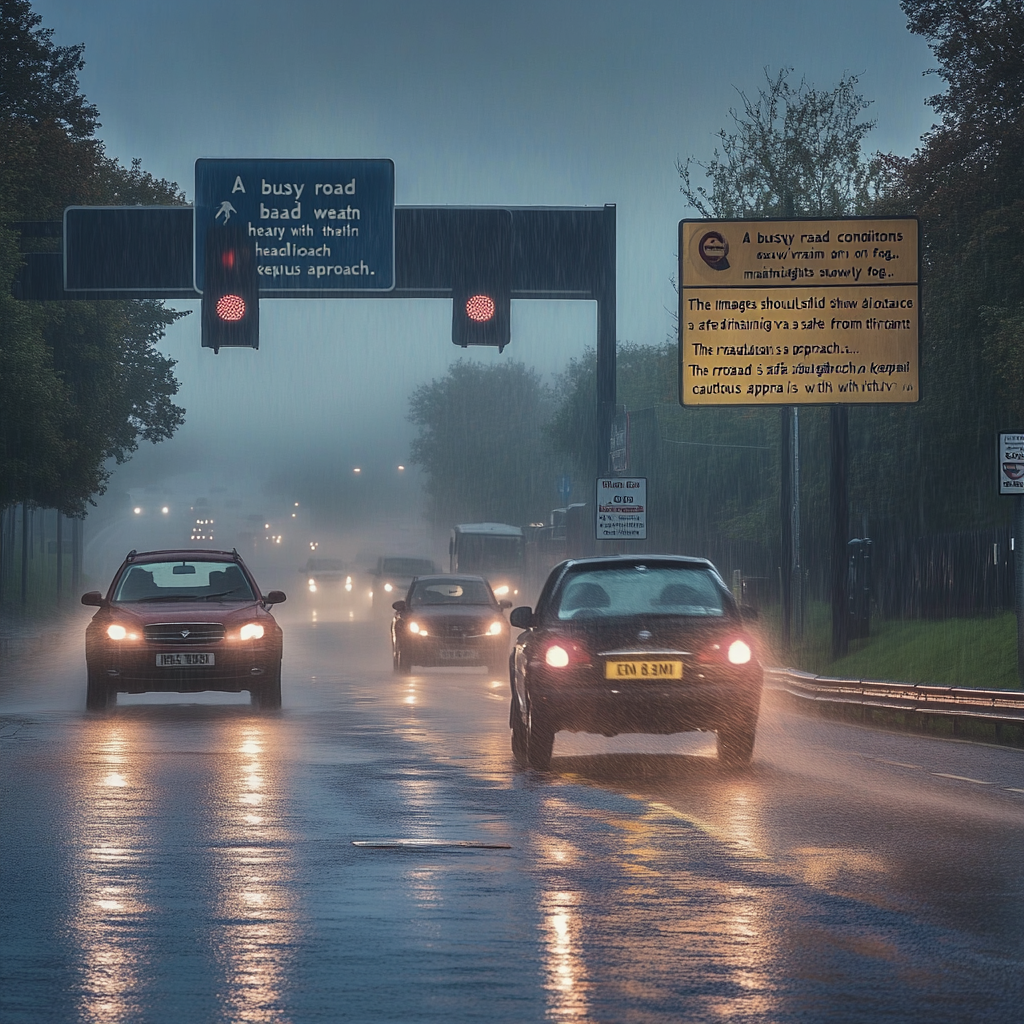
point(184, 859)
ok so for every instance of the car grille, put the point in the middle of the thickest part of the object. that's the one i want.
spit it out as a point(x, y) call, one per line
point(458, 630)
point(184, 632)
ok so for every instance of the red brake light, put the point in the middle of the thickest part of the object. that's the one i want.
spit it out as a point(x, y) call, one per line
point(480, 308)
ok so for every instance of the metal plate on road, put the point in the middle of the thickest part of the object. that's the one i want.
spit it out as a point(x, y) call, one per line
point(318, 225)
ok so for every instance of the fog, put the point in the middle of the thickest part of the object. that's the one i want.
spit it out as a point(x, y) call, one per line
point(538, 104)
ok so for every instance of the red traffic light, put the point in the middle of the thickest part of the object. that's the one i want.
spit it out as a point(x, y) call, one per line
point(227, 259)
point(231, 308)
point(480, 308)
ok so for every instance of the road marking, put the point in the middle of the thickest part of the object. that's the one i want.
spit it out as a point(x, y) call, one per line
point(961, 778)
point(1011, 789)
point(898, 764)
point(433, 844)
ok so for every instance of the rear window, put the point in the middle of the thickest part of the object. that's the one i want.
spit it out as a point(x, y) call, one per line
point(183, 581)
point(639, 590)
point(450, 592)
point(407, 567)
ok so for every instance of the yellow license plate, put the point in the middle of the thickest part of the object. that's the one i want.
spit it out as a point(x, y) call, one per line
point(643, 670)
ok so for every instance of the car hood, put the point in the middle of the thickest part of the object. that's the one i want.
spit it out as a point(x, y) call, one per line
point(188, 611)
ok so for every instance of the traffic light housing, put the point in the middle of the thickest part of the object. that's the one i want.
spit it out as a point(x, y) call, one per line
point(231, 290)
point(482, 279)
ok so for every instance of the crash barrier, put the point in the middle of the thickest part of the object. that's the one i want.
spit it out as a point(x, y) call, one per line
point(999, 708)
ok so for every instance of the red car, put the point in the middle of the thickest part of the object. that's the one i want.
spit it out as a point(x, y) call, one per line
point(183, 622)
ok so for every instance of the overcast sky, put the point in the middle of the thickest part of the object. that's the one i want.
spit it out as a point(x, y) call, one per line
point(560, 102)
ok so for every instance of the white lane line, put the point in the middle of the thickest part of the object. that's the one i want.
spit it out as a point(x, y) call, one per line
point(961, 778)
point(1012, 789)
point(898, 764)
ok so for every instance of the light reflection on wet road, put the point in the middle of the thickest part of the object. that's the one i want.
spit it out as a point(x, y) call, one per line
point(185, 859)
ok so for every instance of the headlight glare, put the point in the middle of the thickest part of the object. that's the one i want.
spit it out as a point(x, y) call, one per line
point(251, 631)
point(501, 591)
point(494, 629)
point(739, 652)
point(116, 632)
point(388, 588)
point(557, 657)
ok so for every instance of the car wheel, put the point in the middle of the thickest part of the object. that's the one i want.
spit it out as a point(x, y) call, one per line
point(539, 743)
point(520, 738)
point(736, 744)
point(97, 693)
point(267, 695)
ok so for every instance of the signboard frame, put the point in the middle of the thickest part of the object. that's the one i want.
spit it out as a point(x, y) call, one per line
point(610, 522)
point(217, 184)
point(759, 378)
point(1011, 480)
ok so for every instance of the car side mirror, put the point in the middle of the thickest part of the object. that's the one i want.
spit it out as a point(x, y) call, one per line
point(399, 606)
point(94, 598)
point(505, 605)
point(522, 618)
point(275, 597)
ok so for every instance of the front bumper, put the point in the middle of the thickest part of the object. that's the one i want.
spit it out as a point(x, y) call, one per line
point(238, 666)
point(461, 651)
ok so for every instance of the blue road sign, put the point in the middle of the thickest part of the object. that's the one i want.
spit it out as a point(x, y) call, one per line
point(564, 488)
point(318, 225)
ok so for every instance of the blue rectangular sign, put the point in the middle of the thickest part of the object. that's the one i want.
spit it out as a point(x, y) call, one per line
point(318, 225)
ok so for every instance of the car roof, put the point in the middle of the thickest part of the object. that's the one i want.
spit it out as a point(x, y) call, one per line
point(448, 577)
point(186, 555)
point(612, 561)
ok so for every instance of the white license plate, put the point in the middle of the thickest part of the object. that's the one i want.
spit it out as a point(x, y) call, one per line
point(458, 655)
point(184, 660)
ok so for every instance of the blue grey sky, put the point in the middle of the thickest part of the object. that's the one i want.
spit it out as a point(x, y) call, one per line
point(561, 102)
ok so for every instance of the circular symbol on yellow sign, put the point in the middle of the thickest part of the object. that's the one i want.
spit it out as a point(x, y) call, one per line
point(713, 249)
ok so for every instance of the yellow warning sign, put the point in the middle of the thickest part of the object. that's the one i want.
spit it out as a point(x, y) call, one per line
point(799, 312)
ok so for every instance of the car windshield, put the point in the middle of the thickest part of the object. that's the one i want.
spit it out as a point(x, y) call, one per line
point(449, 592)
point(407, 567)
point(183, 581)
point(639, 590)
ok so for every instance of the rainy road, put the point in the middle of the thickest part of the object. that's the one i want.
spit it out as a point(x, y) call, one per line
point(185, 861)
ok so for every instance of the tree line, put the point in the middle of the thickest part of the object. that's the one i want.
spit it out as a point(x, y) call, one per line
point(797, 150)
point(81, 383)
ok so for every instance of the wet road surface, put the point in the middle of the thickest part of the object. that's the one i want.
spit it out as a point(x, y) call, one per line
point(186, 859)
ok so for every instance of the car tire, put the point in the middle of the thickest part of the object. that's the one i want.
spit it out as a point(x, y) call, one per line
point(540, 742)
point(520, 737)
point(267, 695)
point(736, 744)
point(98, 696)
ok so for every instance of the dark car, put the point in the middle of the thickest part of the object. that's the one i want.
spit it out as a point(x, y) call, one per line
point(634, 644)
point(450, 620)
point(393, 575)
point(183, 622)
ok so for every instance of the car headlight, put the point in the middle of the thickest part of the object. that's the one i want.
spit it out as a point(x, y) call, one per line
point(312, 587)
point(251, 631)
point(494, 629)
point(116, 632)
point(415, 627)
point(388, 588)
point(501, 591)
point(739, 652)
point(312, 582)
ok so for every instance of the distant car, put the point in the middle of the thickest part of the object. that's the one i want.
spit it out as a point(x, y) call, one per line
point(634, 644)
point(329, 574)
point(450, 620)
point(183, 622)
point(392, 576)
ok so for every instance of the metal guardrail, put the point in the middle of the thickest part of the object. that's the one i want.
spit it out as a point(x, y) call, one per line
point(998, 707)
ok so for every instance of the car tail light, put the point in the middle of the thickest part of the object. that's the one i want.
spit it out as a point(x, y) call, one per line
point(562, 654)
point(735, 652)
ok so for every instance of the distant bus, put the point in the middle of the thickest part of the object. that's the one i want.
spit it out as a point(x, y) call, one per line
point(494, 550)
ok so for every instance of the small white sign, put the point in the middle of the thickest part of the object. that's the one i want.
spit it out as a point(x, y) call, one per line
point(621, 508)
point(1011, 463)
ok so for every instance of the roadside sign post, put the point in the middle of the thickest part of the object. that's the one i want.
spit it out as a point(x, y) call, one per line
point(789, 312)
point(1010, 472)
point(621, 508)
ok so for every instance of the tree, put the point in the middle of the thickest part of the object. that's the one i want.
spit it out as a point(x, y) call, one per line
point(81, 383)
point(481, 443)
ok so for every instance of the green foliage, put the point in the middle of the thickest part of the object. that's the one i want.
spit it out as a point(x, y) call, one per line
point(795, 151)
point(81, 383)
point(481, 443)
